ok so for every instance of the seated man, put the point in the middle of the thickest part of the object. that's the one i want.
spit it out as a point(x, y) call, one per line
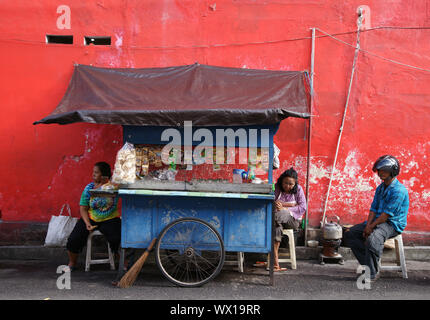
point(387, 216)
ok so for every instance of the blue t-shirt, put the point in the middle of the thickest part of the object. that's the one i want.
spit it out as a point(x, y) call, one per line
point(394, 201)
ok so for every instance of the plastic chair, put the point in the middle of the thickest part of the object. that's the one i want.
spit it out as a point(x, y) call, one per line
point(400, 258)
point(292, 248)
point(89, 261)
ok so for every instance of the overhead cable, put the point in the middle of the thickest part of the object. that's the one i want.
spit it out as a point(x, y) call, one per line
point(373, 54)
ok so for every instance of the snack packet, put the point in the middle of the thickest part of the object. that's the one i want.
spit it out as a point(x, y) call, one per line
point(125, 165)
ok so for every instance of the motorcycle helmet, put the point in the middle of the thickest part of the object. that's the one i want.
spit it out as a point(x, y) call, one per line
point(387, 163)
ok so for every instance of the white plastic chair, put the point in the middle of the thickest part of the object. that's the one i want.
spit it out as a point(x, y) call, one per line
point(239, 261)
point(89, 261)
point(292, 249)
point(400, 258)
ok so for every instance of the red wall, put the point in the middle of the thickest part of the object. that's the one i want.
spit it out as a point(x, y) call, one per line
point(46, 165)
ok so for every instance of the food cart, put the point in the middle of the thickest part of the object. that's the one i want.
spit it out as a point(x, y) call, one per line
point(195, 219)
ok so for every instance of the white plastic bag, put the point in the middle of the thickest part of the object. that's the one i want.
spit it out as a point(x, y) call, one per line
point(276, 156)
point(390, 244)
point(59, 228)
point(125, 165)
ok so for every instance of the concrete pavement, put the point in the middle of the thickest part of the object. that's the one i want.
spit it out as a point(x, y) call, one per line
point(36, 252)
point(37, 280)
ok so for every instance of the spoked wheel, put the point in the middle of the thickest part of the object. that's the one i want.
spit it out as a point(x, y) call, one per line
point(189, 252)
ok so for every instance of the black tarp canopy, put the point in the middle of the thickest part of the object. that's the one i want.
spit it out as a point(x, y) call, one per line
point(205, 95)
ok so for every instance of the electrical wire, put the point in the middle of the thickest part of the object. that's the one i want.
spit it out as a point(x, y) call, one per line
point(237, 44)
point(326, 34)
point(374, 54)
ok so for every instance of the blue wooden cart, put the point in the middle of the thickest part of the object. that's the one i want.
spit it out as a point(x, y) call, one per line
point(196, 224)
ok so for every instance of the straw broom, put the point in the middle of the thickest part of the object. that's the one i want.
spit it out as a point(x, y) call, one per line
point(128, 279)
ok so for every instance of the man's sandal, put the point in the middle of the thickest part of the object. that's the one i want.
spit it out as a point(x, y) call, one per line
point(260, 264)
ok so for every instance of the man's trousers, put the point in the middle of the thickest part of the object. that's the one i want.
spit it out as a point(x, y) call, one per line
point(368, 251)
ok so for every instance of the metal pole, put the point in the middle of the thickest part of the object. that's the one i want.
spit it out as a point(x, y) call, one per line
point(272, 247)
point(272, 214)
point(309, 134)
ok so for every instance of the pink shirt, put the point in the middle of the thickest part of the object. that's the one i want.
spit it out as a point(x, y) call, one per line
point(298, 210)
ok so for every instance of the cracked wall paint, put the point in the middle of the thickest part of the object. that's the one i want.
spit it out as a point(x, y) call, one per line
point(347, 180)
point(52, 157)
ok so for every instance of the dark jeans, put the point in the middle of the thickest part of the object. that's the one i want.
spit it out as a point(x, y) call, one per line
point(368, 251)
point(111, 229)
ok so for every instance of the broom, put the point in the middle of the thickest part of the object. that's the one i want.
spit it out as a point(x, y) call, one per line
point(128, 279)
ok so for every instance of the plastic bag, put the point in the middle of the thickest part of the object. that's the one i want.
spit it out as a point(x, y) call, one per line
point(59, 228)
point(276, 153)
point(125, 165)
point(165, 174)
point(390, 244)
point(109, 186)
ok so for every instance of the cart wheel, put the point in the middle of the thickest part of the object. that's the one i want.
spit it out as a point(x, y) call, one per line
point(189, 252)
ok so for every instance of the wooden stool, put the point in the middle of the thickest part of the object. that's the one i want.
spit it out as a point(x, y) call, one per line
point(292, 247)
point(400, 258)
point(89, 261)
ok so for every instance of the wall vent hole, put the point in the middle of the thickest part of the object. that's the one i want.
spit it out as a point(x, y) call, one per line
point(98, 41)
point(59, 39)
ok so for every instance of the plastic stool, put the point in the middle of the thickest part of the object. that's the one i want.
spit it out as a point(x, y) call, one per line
point(89, 261)
point(292, 247)
point(240, 261)
point(400, 258)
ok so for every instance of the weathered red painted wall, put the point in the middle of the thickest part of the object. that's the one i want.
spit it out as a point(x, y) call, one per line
point(44, 166)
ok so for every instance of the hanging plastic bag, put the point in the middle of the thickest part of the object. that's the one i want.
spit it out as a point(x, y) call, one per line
point(125, 165)
point(276, 153)
point(59, 228)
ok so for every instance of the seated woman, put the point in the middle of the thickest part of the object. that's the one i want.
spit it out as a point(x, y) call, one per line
point(289, 207)
point(96, 212)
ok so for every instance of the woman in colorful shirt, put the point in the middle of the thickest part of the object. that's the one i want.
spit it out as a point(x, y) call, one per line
point(96, 212)
point(289, 207)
